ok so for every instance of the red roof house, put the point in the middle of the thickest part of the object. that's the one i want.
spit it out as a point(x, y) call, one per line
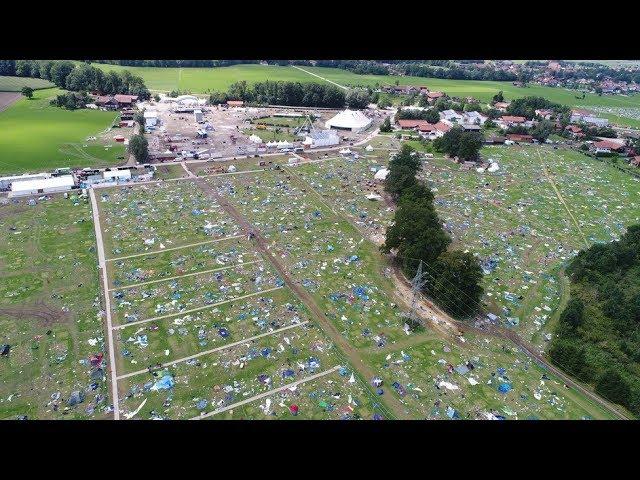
point(518, 137)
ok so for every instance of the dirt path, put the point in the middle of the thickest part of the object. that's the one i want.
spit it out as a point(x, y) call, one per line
point(7, 99)
point(561, 198)
point(504, 333)
point(105, 287)
point(321, 78)
point(262, 246)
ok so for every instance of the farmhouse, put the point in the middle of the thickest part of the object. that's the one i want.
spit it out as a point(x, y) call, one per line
point(501, 106)
point(353, 120)
point(43, 185)
point(125, 101)
point(451, 116)
point(520, 138)
point(432, 131)
point(544, 113)
point(411, 124)
point(433, 96)
point(106, 102)
point(235, 103)
point(607, 146)
point(474, 118)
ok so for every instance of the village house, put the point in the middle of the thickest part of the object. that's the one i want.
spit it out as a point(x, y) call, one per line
point(607, 146)
point(451, 117)
point(520, 138)
point(501, 106)
point(474, 118)
point(430, 131)
point(544, 113)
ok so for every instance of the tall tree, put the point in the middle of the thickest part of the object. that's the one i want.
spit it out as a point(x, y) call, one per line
point(139, 148)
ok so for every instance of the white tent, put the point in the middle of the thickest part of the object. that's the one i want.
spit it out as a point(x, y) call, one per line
point(255, 139)
point(353, 120)
point(369, 148)
point(381, 174)
point(42, 185)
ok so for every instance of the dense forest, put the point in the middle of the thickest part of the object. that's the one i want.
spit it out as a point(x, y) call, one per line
point(77, 77)
point(598, 334)
point(283, 93)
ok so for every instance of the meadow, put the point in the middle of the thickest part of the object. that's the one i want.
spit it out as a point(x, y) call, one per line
point(36, 136)
point(203, 80)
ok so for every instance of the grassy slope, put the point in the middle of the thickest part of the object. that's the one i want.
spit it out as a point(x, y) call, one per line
point(36, 136)
point(15, 84)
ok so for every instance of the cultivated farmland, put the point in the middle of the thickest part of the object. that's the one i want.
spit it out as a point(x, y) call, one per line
point(15, 84)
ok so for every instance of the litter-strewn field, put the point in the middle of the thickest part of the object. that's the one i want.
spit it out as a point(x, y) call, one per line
point(158, 216)
point(523, 232)
point(50, 312)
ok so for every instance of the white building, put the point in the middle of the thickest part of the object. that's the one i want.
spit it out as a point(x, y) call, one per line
point(42, 185)
point(381, 174)
point(5, 182)
point(353, 120)
point(598, 122)
point(116, 175)
point(321, 138)
point(473, 118)
point(150, 118)
point(198, 116)
point(451, 116)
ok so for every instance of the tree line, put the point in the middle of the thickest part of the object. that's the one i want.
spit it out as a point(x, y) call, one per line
point(77, 77)
point(283, 93)
point(597, 338)
point(417, 234)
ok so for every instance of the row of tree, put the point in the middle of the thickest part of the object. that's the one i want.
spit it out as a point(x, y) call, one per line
point(417, 235)
point(283, 93)
point(458, 143)
point(598, 333)
point(77, 77)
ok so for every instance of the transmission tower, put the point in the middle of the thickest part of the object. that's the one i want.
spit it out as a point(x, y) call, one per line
point(417, 283)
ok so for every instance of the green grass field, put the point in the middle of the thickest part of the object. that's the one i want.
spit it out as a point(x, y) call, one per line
point(201, 80)
point(37, 136)
point(15, 84)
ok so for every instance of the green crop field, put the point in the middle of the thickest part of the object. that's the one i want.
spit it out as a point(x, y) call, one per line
point(37, 136)
point(15, 84)
point(201, 80)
